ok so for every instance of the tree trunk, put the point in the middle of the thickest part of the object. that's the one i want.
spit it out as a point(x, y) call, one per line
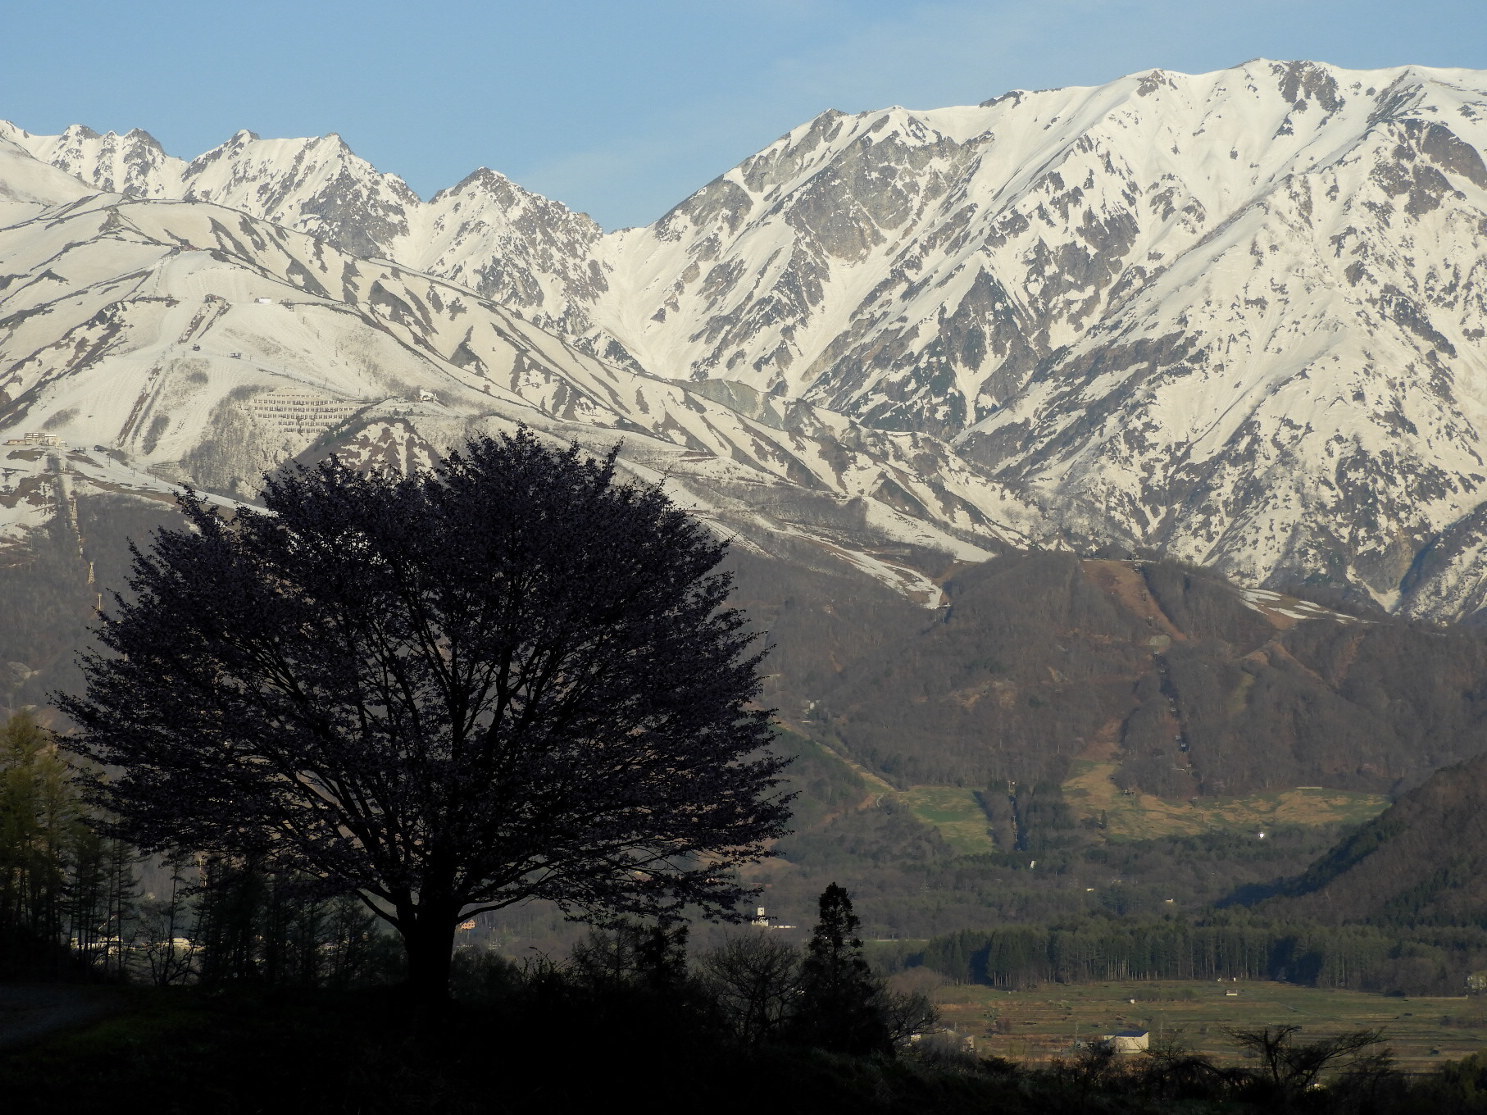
point(428, 939)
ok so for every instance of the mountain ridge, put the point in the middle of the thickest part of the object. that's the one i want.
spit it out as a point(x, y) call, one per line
point(958, 394)
point(1230, 318)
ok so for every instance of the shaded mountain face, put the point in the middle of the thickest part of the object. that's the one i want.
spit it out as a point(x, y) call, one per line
point(1234, 318)
point(1422, 861)
point(1136, 683)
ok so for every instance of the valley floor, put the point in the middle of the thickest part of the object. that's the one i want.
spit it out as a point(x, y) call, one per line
point(1039, 1024)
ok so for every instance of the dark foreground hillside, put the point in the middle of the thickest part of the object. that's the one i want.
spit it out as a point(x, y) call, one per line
point(189, 1051)
point(183, 1050)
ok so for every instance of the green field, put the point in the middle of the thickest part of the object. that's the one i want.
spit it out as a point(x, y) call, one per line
point(956, 813)
point(1091, 792)
point(1045, 1022)
point(959, 818)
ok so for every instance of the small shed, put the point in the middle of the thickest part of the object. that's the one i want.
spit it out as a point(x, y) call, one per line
point(1129, 1041)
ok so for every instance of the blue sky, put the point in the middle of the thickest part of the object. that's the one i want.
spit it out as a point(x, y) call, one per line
point(620, 108)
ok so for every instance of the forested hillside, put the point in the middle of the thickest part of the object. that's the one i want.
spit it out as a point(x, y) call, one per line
point(1422, 861)
point(1042, 667)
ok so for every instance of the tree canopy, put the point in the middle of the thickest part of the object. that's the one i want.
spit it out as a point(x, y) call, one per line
point(508, 677)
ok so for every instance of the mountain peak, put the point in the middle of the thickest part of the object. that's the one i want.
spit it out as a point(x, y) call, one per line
point(144, 139)
point(481, 178)
point(1230, 318)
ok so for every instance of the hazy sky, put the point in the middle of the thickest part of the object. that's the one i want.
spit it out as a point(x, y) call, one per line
point(623, 108)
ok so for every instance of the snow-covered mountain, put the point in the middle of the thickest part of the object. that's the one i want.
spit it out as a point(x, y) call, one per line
point(485, 233)
point(1236, 318)
point(147, 344)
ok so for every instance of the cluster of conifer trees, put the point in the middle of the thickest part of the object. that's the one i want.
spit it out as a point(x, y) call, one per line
point(1419, 960)
point(751, 991)
point(77, 901)
point(60, 880)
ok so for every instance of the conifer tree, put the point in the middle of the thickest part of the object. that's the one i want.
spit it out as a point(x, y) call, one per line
point(841, 1001)
point(41, 820)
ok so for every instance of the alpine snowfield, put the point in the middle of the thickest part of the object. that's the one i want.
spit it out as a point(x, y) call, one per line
point(1235, 318)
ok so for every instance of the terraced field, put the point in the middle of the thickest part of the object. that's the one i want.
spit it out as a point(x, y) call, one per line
point(1090, 792)
point(1044, 1023)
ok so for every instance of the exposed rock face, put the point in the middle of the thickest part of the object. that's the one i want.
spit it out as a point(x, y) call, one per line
point(1224, 317)
point(1235, 318)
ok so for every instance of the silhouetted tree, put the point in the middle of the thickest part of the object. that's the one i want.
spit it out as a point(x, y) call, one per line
point(230, 919)
point(168, 955)
point(653, 957)
point(1289, 1068)
point(507, 677)
point(840, 1008)
point(755, 979)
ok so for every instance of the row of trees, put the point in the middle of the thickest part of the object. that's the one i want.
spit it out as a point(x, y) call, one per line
point(193, 918)
point(70, 897)
point(75, 900)
point(61, 880)
point(1419, 961)
point(1348, 1072)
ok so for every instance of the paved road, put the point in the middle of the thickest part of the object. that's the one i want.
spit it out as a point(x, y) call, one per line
point(30, 1011)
